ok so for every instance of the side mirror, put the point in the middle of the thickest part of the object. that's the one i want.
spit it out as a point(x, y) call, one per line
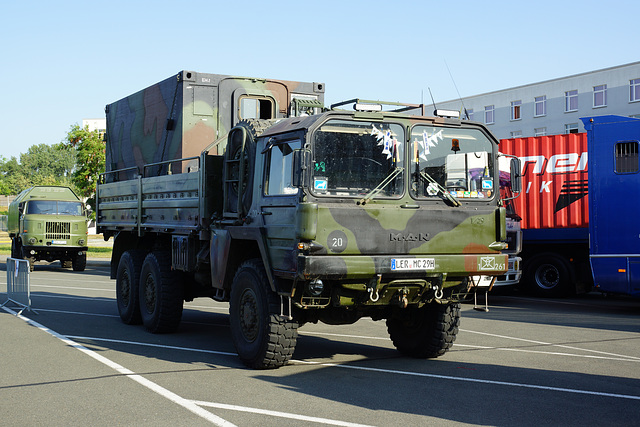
point(516, 181)
point(299, 167)
point(21, 208)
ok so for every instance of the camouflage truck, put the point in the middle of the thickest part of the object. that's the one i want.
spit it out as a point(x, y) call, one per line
point(49, 223)
point(325, 217)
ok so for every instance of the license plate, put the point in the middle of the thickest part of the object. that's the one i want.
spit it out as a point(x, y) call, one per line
point(413, 264)
point(59, 242)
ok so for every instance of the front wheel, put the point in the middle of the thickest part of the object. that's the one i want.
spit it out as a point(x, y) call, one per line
point(426, 332)
point(16, 249)
point(160, 294)
point(79, 262)
point(262, 338)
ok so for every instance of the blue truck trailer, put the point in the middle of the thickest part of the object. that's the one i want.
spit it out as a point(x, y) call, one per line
point(614, 181)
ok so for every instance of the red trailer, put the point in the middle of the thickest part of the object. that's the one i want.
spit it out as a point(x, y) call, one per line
point(554, 210)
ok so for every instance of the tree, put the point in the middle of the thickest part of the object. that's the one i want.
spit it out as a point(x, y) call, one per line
point(42, 164)
point(90, 160)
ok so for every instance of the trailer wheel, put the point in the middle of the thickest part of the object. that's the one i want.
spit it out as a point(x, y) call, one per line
point(127, 279)
point(79, 262)
point(548, 275)
point(160, 294)
point(425, 332)
point(262, 338)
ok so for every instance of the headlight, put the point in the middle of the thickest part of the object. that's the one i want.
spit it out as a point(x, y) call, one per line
point(80, 242)
point(32, 240)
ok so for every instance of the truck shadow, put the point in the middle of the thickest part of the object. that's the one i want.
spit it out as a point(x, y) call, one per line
point(373, 377)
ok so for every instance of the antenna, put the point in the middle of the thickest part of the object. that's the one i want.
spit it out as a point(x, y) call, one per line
point(466, 114)
point(432, 100)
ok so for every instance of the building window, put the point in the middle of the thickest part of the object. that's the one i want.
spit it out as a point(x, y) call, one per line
point(571, 128)
point(488, 114)
point(627, 157)
point(634, 90)
point(540, 106)
point(599, 96)
point(571, 101)
point(516, 134)
point(515, 110)
point(540, 131)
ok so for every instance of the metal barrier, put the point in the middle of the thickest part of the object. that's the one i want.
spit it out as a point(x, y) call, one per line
point(18, 287)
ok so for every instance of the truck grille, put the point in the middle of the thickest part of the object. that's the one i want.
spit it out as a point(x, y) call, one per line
point(57, 230)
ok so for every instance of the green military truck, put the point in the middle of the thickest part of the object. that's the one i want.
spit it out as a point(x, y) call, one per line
point(49, 223)
point(324, 217)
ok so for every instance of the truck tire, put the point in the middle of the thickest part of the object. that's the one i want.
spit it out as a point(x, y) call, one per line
point(16, 249)
point(160, 293)
point(127, 280)
point(262, 338)
point(79, 262)
point(548, 275)
point(254, 128)
point(425, 332)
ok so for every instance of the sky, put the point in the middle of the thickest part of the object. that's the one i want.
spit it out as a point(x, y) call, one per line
point(61, 62)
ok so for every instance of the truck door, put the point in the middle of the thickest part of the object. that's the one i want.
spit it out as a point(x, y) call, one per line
point(279, 201)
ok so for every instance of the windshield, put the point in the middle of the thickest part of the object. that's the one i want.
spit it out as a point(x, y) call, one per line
point(452, 160)
point(357, 159)
point(53, 207)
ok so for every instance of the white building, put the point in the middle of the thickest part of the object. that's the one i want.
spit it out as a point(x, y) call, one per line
point(555, 106)
point(95, 124)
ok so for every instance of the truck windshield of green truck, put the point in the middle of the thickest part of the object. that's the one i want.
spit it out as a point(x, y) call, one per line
point(353, 159)
point(54, 207)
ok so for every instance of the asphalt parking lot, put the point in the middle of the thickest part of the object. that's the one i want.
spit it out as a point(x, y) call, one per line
point(525, 362)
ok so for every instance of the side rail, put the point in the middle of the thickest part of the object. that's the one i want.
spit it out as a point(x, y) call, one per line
point(150, 202)
point(18, 285)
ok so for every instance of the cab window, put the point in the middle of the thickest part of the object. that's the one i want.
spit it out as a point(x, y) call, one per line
point(280, 168)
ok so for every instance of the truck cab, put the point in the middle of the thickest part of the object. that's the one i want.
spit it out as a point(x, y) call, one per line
point(49, 223)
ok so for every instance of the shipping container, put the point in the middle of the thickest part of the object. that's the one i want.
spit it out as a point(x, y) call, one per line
point(180, 116)
point(554, 209)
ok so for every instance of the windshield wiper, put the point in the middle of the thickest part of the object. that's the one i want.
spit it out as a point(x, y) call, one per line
point(371, 194)
point(441, 190)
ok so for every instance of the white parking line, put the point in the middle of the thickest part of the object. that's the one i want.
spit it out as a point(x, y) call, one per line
point(557, 345)
point(75, 288)
point(185, 403)
point(475, 380)
point(278, 414)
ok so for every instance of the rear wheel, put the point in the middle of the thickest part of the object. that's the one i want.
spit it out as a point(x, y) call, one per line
point(127, 279)
point(548, 275)
point(160, 293)
point(262, 338)
point(425, 332)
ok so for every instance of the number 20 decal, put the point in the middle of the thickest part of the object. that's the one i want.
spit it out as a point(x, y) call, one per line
point(337, 241)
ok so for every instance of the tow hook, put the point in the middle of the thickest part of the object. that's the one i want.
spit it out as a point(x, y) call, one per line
point(400, 298)
point(373, 288)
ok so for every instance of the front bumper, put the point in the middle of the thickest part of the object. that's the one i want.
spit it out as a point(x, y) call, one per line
point(399, 266)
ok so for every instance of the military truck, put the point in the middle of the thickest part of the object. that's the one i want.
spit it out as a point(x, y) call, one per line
point(376, 212)
point(49, 223)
